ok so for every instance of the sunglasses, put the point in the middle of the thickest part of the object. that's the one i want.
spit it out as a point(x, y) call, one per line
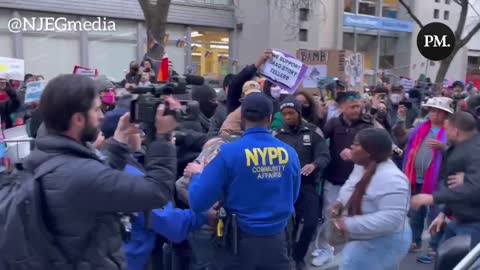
point(353, 97)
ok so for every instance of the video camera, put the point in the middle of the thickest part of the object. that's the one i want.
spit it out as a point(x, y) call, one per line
point(144, 108)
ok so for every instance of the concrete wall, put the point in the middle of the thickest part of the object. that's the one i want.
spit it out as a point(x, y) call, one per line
point(424, 11)
point(268, 25)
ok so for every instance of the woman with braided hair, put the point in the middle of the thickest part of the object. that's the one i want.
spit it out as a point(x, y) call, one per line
point(375, 200)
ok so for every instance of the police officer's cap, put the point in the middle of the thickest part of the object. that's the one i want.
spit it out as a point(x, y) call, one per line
point(257, 106)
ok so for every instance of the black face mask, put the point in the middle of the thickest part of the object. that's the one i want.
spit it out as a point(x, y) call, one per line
point(134, 69)
point(461, 95)
point(208, 108)
point(382, 115)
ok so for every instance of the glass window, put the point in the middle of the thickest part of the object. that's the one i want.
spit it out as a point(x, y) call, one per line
point(50, 55)
point(366, 45)
point(436, 13)
point(6, 50)
point(387, 52)
point(210, 53)
point(390, 8)
point(303, 35)
point(446, 15)
point(349, 6)
point(303, 14)
point(124, 29)
point(348, 41)
point(111, 57)
point(473, 64)
point(367, 7)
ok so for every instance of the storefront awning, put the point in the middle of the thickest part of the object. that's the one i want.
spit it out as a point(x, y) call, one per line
point(371, 22)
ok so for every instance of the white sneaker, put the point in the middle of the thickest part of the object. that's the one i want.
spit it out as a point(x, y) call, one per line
point(325, 256)
point(316, 252)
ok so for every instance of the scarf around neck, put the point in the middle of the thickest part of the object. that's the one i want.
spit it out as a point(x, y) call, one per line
point(411, 150)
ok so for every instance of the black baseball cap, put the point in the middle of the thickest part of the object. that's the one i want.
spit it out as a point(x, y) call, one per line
point(257, 106)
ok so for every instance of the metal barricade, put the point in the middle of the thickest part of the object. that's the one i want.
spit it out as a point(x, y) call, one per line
point(469, 260)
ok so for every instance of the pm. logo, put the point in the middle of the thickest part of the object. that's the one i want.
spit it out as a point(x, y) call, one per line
point(436, 41)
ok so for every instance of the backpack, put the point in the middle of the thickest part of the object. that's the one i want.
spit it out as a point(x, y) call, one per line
point(25, 242)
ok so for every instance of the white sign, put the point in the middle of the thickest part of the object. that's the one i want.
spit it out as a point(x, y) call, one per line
point(12, 68)
point(34, 91)
point(407, 84)
point(284, 70)
point(314, 74)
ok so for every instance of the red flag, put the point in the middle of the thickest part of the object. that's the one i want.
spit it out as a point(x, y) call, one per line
point(162, 75)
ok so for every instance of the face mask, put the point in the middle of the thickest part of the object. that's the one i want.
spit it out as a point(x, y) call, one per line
point(275, 92)
point(134, 69)
point(381, 114)
point(396, 98)
point(108, 98)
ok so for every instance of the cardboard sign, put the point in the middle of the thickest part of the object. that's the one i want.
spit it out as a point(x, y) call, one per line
point(284, 70)
point(407, 84)
point(314, 74)
point(34, 91)
point(12, 69)
point(89, 72)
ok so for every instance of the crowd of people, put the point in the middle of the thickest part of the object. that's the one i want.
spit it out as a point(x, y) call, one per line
point(249, 182)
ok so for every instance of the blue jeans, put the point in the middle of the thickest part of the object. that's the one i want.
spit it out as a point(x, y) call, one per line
point(417, 222)
point(202, 249)
point(382, 253)
point(455, 228)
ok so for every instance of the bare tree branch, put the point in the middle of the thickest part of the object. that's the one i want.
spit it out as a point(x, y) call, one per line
point(409, 11)
point(146, 7)
point(469, 36)
point(462, 20)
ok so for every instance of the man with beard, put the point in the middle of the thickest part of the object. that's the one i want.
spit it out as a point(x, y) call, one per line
point(82, 196)
point(341, 131)
point(312, 150)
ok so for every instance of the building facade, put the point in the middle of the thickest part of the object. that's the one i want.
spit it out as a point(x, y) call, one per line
point(204, 24)
point(473, 68)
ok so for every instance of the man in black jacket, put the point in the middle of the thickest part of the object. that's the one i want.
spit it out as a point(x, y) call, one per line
point(341, 131)
point(82, 196)
point(312, 150)
point(221, 113)
point(460, 176)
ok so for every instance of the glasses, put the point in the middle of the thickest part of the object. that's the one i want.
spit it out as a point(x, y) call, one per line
point(353, 97)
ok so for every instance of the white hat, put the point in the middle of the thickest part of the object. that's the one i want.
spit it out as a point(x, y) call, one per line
point(442, 103)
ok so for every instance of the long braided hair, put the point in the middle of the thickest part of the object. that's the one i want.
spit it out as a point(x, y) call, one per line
point(378, 144)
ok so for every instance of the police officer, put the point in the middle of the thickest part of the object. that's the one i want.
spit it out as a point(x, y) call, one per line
point(314, 155)
point(259, 179)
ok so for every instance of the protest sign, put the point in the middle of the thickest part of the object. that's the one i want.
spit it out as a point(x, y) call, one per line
point(12, 68)
point(284, 70)
point(407, 84)
point(89, 72)
point(314, 74)
point(34, 91)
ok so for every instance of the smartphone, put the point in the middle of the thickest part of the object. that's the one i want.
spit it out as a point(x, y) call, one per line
point(406, 104)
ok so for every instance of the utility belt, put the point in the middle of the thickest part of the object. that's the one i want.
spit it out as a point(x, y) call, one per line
point(226, 233)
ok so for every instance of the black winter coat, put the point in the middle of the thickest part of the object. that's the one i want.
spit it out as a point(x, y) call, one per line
point(341, 136)
point(310, 145)
point(83, 196)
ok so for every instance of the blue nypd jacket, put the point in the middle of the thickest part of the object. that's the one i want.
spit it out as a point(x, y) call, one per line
point(259, 178)
point(173, 224)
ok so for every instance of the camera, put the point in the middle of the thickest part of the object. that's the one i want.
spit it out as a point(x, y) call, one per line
point(144, 108)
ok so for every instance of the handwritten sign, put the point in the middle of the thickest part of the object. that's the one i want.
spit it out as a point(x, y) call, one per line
point(34, 91)
point(89, 72)
point(284, 70)
point(12, 68)
point(407, 84)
